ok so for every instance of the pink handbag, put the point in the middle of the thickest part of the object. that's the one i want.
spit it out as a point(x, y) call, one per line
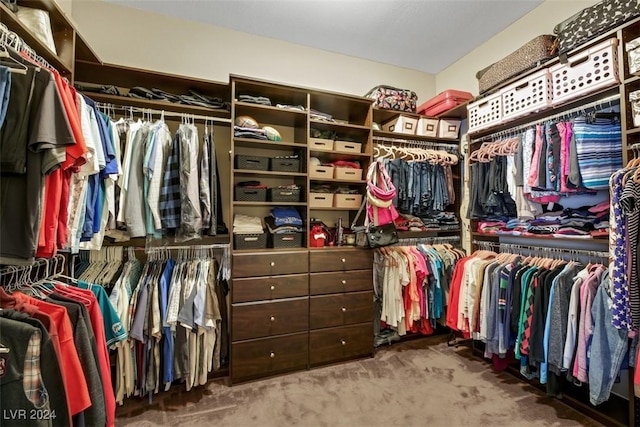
point(380, 194)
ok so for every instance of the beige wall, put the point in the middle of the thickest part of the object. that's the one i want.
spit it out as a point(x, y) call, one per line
point(462, 74)
point(152, 41)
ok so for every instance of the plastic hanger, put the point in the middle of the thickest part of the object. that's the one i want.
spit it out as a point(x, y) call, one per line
point(12, 64)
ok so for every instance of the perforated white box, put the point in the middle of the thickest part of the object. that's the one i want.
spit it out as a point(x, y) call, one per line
point(530, 94)
point(586, 72)
point(485, 112)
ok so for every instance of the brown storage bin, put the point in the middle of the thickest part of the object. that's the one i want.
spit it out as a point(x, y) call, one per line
point(347, 146)
point(348, 174)
point(530, 55)
point(320, 200)
point(287, 240)
point(320, 144)
point(321, 172)
point(284, 194)
point(277, 164)
point(347, 201)
point(252, 162)
point(250, 241)
point(248, 194)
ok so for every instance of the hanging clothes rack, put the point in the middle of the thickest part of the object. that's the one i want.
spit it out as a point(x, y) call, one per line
point(10, 39)
point(418, 142)
point(542, 251)
point(224, 262)
point(412, 241)
point(150, 111)
point(564, 114)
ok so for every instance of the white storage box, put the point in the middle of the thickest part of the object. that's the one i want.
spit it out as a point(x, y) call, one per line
point(321, 172)
point(449, 128)
point(320, 144)
point(427, 126)
point(348, 174)
point(633, 55)
point(586, 72)
point(347, 201)
point(527, 95)
point(401, 124)
point(634, 100)
point(485, 112)
point(320, 200)
point(347, 146)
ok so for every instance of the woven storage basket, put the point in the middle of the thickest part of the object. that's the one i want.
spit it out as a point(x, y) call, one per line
point(284, 165)
point(252, 162)
point(286, 240)
point(250, 241)
point(248, 194)
point(284, 194)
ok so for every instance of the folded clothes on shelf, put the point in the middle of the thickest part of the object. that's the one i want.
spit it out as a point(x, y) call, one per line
point(245, 224)
point(281, 229)
point(286, 216)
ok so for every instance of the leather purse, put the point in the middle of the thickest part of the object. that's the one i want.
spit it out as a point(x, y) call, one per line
point(371, 235)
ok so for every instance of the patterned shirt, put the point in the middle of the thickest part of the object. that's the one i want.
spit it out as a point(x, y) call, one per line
point(170, 190)
point(618, 279)
point(32, 380)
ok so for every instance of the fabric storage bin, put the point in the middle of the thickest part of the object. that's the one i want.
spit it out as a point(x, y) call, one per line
point(633, 55)
point(248, 194)
point(427, 126)
point(321, 200)
point(280, 164)
point(348, 174)
point(485, 112)
point(535, 52)
point(286, 240)
point(586, 72)
point(527, 95)
point(251, 162)
point(284, 194)
point(347, 146)
point(393, 98)
point(401, 124)
point(634, 99)
point(250, 241)
point(321, 172)
point(320, 144)
point(449, 128)
point(347, 201)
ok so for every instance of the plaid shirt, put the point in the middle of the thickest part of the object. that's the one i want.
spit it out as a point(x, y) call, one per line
point(32, 380)
point(170, 189)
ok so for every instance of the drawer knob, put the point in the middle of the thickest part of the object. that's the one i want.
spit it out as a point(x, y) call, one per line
point(272, 355)
point(344, 282)
point(343, 342)
point(272, 318)
point(273, 264)
point(344, 309)
point(273, 287)
point(343, 260)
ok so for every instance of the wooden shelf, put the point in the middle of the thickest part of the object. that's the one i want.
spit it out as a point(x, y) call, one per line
point(267, 173)
point(338, 126)
point(63, 35)
point(631, 79)
point(634, 131)
point(403, 136)
point(338, 155)
point(158, 105)
point(342, 181)
point(269, 203)
point(167, 242)
point(261, 143)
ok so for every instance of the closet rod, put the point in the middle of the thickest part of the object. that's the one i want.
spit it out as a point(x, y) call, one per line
point(132, 109)
point(383, 139)
point(565, 113)
point(634, 147)
point(195, 247)
point(427, 240)
point(10, 39)
point(511, 247)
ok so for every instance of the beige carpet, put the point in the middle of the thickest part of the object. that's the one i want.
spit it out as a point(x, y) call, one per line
point(415, 383)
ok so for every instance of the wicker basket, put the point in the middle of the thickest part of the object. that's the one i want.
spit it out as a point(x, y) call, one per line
point(284, 194)
point(248, 194)
point(286, 240)
point(250, 241)
point(277, 164)
point(251, 162)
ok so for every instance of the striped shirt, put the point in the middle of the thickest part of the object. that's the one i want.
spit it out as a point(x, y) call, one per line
point(599, 150)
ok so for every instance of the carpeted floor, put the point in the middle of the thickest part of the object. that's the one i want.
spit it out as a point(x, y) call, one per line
point(415, 383)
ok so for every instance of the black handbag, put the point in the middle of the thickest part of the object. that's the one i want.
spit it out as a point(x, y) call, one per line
point(373, 236)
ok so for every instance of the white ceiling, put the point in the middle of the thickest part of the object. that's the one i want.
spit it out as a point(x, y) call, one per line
point(424, 35)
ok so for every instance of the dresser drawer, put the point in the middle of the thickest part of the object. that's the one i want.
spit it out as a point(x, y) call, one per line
point(340, 260)
point(269, 263)
point(343, 281)
point(340, 309)
point(251, 359)
point(335, 344)
point(269, 318)
point(268, 288)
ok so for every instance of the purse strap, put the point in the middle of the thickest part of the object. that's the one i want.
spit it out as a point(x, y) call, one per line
point(355, 219)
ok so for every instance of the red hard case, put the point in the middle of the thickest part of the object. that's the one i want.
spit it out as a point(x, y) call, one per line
point(444, 102)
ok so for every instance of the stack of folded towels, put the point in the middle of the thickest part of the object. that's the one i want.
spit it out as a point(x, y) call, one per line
point(245, 224)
